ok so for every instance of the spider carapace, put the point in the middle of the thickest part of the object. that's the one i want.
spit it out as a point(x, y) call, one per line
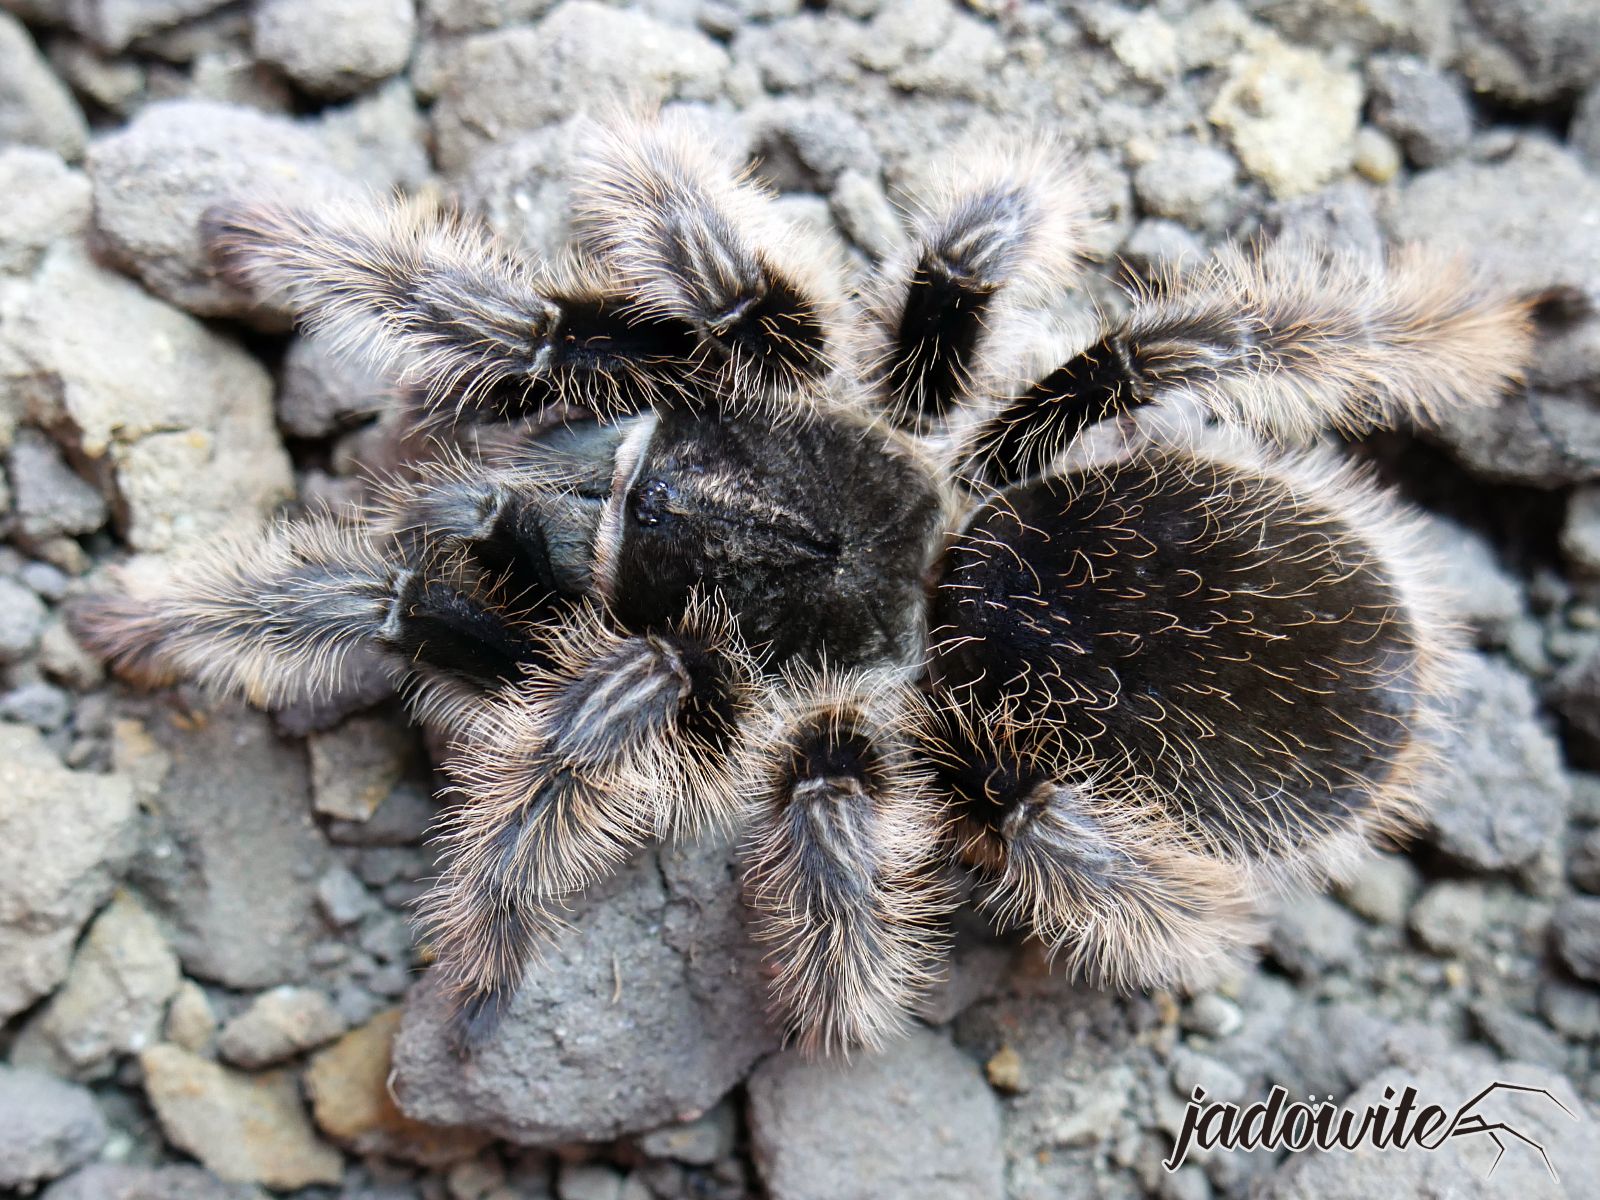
point(899, 580)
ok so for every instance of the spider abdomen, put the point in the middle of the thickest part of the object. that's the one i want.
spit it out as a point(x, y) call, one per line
point(1238, 647)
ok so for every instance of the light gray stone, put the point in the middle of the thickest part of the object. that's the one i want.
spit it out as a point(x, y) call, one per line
point(916, 1120)
point(109, 1181)
point(279, 1024)
point(21, 621)
point(49, 497)
point(1189, 182)
point(45, 200)
point(1580, 535)
point(334, 48)
point(1576, 927)
point(583, 57)
point(112, 24)
point(155, 178)
point(63, 837)
point(1421, 107)
point(36, 108)
point(113, 999)
point(1530, 51)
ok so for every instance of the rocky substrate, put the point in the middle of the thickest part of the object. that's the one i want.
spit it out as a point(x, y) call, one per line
point(209, 985)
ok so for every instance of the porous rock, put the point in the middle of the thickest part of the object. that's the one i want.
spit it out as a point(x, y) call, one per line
point(247, 1128)
point(915, 1120)
point(583, 57)
point(155, 179)
point(1529, 222)
point(36, 108)
point(112, 1001)
point(334, 48)
point(1506, 804)
point(648, 1011)
point(63, 837)
point(232, 856)
point(175, 420)
point(45, 200)
point(1530, 51)
point(47, 1127)
point(1421, 107)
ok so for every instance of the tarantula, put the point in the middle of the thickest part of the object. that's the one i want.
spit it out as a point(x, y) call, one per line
point(856, 572)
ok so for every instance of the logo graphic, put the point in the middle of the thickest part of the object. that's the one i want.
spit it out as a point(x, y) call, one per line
point(1396, 1123)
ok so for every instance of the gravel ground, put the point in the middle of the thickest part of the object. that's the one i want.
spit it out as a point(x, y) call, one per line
point(208, 983)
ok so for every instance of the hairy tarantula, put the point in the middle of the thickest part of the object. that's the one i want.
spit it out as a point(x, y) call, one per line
point(864, 574)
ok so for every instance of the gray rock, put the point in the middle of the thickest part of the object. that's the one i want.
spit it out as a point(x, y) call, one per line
point(42, 705)
point(21, 621)
point(1507, 803)
point(1419, 26)
point(1576, 929)
point(1419, 106)
point(806, 145)
point(177, 419)
point(49, 497)
point(36, 109)
point(1462, 1169)
point(45, 200)
point(1526, 219)
point(1575, 693)
point(1382, 888)
point(112, 24)
point(380, 139)
point(113, 999)
point(63, 836)
point(865, 214)
point(47, 1127)
point(279, 1024)
point(1479, 591)
point(1529, 51)
point(1313, 935)
point(521, 187)
point(343, 898)
point(588, 1181)
point(108, 1181)
point(232, 856)
point(1519, 1037)
point(191, 1023)
point(1155, 244)
point(581, 58)
point(155, 178)
point(1583, 862)
point(649, 1010)
point(1572, 1009)
point(1450, 916)
point(1189, 182)
point(403, 819)
point(915, 1120)
point(334, 48)
point(1580, 535)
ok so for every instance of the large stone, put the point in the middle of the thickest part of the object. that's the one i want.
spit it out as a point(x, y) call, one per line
point(47, 1127)
point(356, 765)
point(247, 1128)
point(36, 109)
point(1529, 221)
point(583, 57)
point(349, 1087)
point(334, 48)
point(232, 856)
point(647, 1012)
point(107, 1181)
point(45, 200)
point(49, 497)
point(1576, 928)
point(916, 1120)
point(1421, 107)
point(1506, 805)
point(176, 420)
point(63, 836)
point(1530, 51)
point(155, 178)
point(113, 1000)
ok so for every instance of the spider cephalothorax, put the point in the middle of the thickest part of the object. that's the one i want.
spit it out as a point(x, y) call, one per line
point(853, 576)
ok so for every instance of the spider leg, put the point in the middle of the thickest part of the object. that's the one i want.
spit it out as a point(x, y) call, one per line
point(440, 300)
point(1084, 861)
point(620, 738)
point(1249, 641)
point(842, 865)
point(1009, 229)
point(442, 584)
point(1287, 337)
point(695, 242)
